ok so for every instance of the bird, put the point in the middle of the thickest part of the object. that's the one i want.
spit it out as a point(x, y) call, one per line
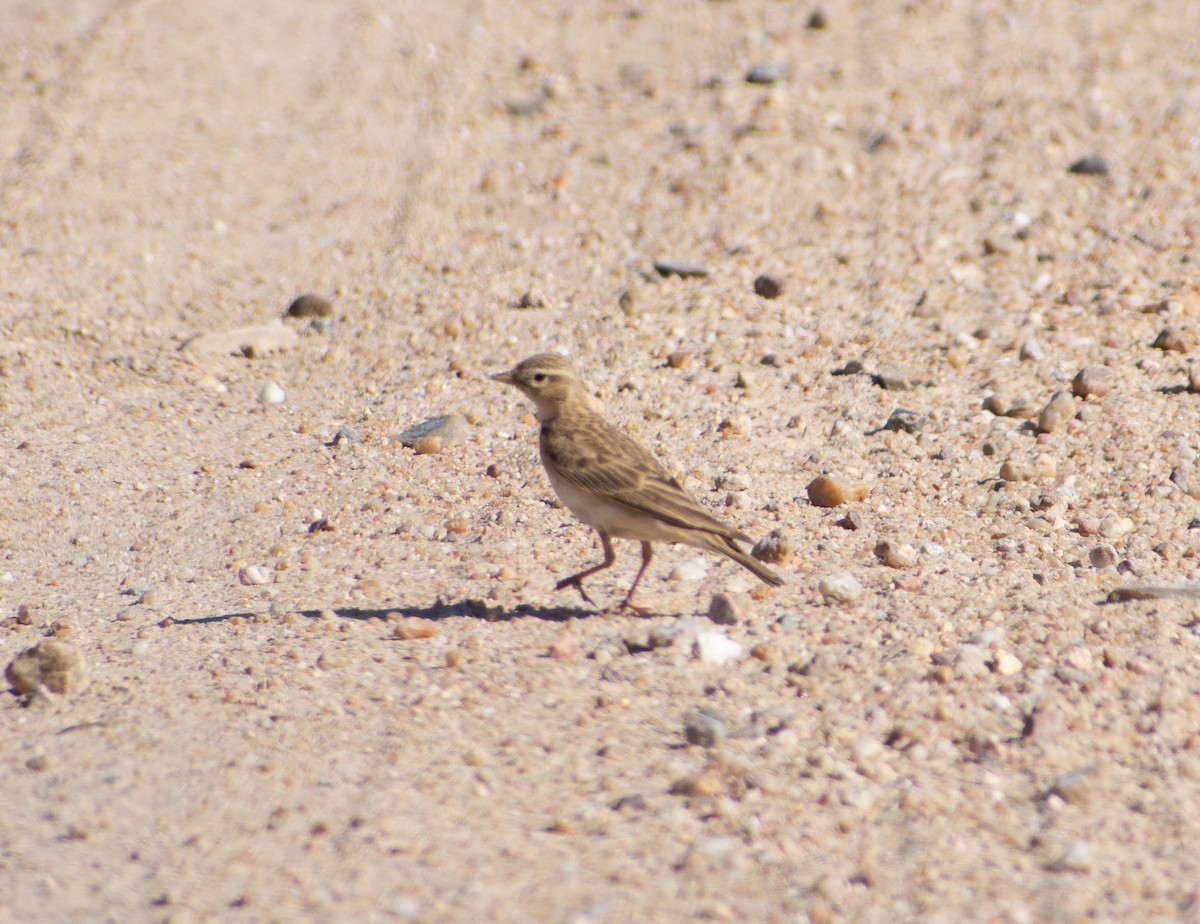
point(610, 482)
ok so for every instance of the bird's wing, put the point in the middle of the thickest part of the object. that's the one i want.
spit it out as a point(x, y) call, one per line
point(604, 460)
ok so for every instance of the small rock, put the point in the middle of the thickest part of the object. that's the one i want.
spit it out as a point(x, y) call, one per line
point(271, 393)
point(1115, 528)
point(1077, 858)
point(1075, 787)
point(24, 615)
point(852, 520)
point(52, 664)
point(766, 74)
point(680, 359)
point(564, 648)
point(1006, 664)
point(1103, 556)
point(251, 342)
point(904, 421)
point(255, 575)
point(895, 378)
point(775, 548)
point(1093, 382)
point(1091, 165)
point(427, 445)
point(1044, 466)
point(729, 609)
point(704, 729)
point(344, 435)
point(309, 305)
point(412, 628)
point(831, 491)
point(449, 428)
point(1032, 351)
point(1174, 340)
point(1077, 658)
point(768, 286)
point(693, 569)
point(817, 20)
point(1194, 379)
point(715, 648)
point(840, 588)
point(970, 661)
point(682, 268)
point(898, 555)
point(1057, 413)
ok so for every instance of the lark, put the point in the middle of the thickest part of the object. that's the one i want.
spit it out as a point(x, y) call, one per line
point(610, 482)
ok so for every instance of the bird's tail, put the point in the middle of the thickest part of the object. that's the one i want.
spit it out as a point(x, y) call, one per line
point(727, 547)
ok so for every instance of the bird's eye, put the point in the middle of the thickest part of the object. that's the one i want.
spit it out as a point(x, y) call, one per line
point(540, 377)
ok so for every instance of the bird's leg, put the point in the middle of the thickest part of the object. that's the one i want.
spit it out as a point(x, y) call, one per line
point(627, 603)
point(576, 580)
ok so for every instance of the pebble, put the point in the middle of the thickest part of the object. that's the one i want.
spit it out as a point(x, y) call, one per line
point(254, 575)
point(704, 728)
point(1006, 664)
point(564, 648)
point(1077, 658)
point(680, 359)
point(1032, 350)
point(1194, 378)
point(715, 648)
point(1044, 466)
point(1103, 556)
point(1093, 382)
point(970, 661)
point(1090, 165)
point(1077, 858)
point(841, 588)
point(692, 569)
point(344, 435)
point(309, 305)
point(1174, 340)
point(895, 378)
point(775, 548)
point(898, 555)
point(1075, 787)
point(831, 491)
point(766, 286)
point(412, 628)
point(729, 609)
point(1003, 405)
point(1058, 412)
point(902, 420)
point(51, 664)
point(449, 428)
point(817, 20)
point(1115, 528)
point(852, 520)
point(766, 74)
point(682, 268)
point(427, 445)
point(271, 393)
point(251, 342)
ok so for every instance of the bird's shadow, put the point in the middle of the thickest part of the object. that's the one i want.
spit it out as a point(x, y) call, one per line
point(472, 608)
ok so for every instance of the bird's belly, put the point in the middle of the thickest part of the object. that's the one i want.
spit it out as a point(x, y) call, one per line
point(617, 520)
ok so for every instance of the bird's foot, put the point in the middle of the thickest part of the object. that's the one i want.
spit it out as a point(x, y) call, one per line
point(577, 582)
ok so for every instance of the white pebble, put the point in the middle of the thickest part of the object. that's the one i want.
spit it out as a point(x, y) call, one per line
point(271, 393)
point(694, 569)
point(253, 575)
point(840, 588)
point(715, 648)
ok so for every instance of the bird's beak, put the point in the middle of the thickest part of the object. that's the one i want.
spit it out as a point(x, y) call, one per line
point(505, 377)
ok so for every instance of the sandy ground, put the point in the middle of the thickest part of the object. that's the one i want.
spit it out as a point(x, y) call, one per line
point(398, 718)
